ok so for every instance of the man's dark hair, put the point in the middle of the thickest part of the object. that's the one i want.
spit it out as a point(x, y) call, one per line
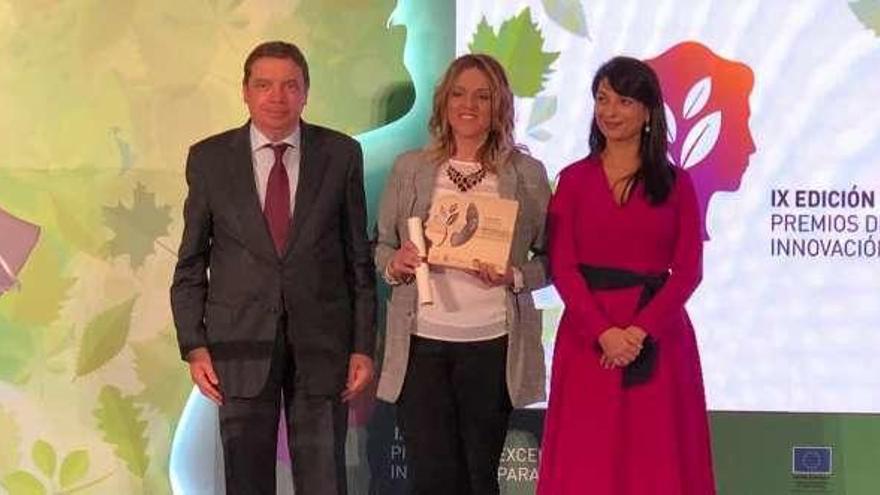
point(277, 49)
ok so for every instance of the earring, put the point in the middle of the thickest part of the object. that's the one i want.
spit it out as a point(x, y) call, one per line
point(647, 128)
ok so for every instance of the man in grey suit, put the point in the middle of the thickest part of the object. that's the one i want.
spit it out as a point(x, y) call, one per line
point(274, 290)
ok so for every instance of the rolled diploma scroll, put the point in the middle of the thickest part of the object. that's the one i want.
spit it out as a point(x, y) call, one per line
point(417, 236)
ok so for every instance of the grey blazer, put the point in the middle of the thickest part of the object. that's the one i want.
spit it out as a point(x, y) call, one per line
point(408, 193)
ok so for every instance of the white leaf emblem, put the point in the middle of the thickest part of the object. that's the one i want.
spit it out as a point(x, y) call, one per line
point(697, 97)
point(700, 140)
point(671, 125)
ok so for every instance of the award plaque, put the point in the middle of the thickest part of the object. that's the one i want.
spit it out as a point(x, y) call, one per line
point(463, 230)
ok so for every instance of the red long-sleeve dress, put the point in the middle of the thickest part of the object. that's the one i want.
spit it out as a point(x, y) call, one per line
point(599, 437)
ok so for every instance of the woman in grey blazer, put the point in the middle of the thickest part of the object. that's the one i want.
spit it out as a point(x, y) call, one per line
point(456, 368)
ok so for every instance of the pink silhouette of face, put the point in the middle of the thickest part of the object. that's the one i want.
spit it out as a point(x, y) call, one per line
point(707, 111)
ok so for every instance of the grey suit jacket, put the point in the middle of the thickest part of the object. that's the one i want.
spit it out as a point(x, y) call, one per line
point(231, 288)
point(408, 193)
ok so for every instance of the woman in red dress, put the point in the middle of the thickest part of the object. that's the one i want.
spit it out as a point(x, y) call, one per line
point(627, 413)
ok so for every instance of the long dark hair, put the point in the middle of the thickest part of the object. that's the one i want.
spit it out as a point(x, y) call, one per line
point(633, 78)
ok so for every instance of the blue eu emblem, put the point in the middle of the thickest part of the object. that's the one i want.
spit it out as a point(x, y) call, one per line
point(811, 461)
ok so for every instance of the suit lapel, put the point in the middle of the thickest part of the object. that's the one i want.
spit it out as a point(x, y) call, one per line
point(425, 178)
point(312, 166)
point(252, 223)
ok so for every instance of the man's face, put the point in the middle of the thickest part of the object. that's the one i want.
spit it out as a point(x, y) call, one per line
point(275, 94)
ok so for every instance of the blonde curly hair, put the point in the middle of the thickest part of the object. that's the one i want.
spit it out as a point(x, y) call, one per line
point(499, 144)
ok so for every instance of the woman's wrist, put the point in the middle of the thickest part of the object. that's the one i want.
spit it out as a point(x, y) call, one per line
point(390, 275)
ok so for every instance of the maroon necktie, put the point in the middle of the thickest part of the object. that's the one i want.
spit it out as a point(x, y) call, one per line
point(277, 206)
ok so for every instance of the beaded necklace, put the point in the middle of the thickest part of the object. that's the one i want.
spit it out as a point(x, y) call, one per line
point(465, 182)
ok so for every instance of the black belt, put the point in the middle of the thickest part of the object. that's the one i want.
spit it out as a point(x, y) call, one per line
point(601, 278)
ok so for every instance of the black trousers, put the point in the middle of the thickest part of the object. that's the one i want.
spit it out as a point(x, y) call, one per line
point(316, 428)
point(454, 410)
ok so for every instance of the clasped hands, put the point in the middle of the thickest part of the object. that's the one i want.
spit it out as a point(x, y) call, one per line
point(621, 346)
point(405, 260)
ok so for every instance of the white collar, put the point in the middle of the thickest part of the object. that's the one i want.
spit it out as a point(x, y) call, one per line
point(259, 140)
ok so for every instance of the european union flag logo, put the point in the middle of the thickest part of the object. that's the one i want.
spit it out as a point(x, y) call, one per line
point(811, 460)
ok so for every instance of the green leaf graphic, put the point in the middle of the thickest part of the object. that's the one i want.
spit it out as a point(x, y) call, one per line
point(569, 14)
point(74, 467)
point(44, 286)
point(364, 67)
point(868, 12)
point(483, 38)
point(17, 352)
point(23, 483)
point(137, 228)
point(44, 457)
point(11, 435)
point(164, 375)
point(120, 421)
point(104, 337)
point(56, 342)
point(73, 227)
point(518, 46)
point(158, 481)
